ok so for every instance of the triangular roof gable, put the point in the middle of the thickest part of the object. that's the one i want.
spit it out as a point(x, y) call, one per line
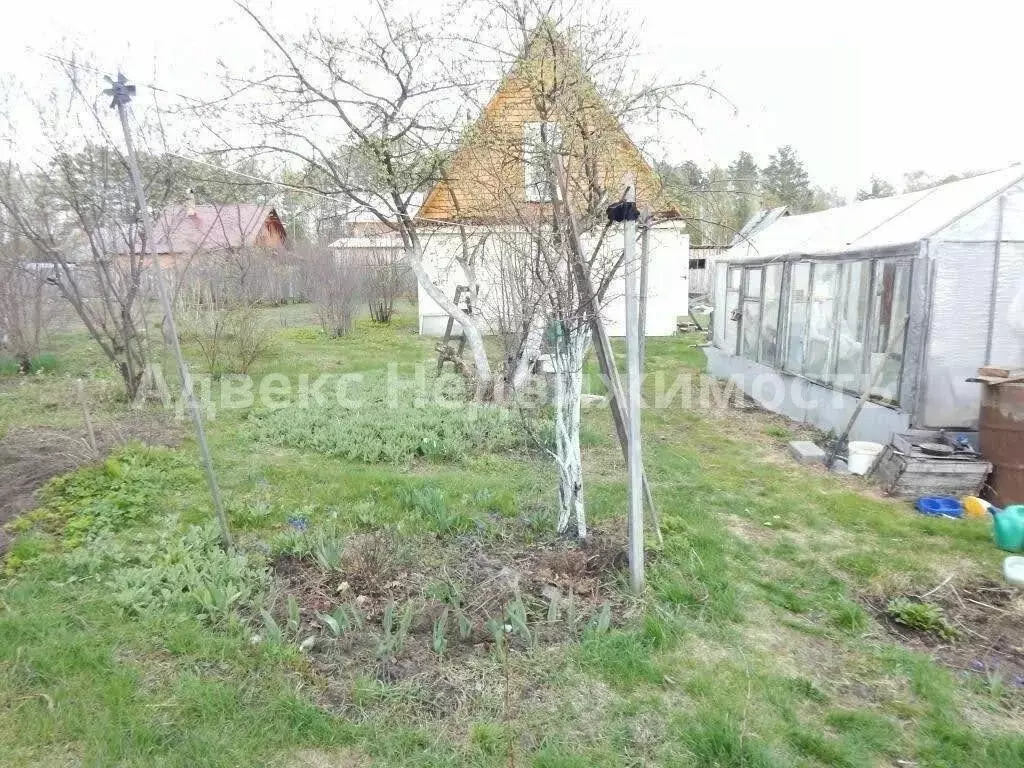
point(487, 168)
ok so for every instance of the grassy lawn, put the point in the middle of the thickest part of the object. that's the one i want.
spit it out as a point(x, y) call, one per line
point(127, 638)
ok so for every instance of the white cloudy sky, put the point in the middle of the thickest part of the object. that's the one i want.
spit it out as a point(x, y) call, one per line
point(875, 87)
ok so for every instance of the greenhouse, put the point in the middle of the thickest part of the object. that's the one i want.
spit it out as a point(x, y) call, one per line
point(904, 297)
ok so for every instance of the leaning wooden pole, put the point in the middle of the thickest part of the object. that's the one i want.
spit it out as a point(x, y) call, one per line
point(122, 94)
point(603, 347)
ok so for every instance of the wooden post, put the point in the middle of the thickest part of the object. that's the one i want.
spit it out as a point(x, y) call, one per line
point(633, 465)
point(602, 346)
point(80, 389)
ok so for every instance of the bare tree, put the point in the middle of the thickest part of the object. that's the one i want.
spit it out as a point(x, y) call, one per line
point(73, 203)
point(26, 300)
point(334, 284)
point(384, 281)
point(81, 233)
point(394, 100)
point(360, 109)
point(373, 113)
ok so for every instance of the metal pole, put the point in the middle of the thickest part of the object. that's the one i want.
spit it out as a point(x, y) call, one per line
point(602, 346)
point(633, 463)
point(995, 283)
point(122, 94)
point(645, 258)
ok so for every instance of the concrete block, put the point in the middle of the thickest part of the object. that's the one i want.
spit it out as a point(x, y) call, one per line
point(806, 452)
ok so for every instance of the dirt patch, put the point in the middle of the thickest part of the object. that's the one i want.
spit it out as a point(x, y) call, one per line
point(30, 456)
point(988, 619)
point(404, 614)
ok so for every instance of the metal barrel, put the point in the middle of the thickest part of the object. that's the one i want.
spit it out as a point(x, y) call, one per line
point(1001, 439)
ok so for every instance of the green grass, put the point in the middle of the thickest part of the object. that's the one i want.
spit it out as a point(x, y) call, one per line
point(124, 640)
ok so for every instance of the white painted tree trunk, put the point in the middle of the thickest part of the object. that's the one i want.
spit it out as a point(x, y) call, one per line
point(570, 352)
point(528, 356)
point(474, 337)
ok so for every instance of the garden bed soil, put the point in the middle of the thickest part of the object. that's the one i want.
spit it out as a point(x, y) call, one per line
point(563, 588)
point(989, 620)
point(31, 456)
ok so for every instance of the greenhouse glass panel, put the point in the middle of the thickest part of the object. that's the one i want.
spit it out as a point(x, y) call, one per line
point(854, 300)
point(890, 308)
point(770, 314)
point(799, 303)
point(821, 321)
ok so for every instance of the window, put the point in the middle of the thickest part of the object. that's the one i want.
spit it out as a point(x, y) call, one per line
point(841, 319)
point(772, 294)
point(750, 326)
point(821, 321)
point(732, 305)
point(851, 331)
point(540, 143)
point(890, 308)
point(799, 304)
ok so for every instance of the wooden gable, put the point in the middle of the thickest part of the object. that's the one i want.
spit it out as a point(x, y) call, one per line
point(485, 180)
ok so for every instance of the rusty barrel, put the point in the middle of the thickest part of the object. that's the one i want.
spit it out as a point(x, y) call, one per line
point(1001, 439)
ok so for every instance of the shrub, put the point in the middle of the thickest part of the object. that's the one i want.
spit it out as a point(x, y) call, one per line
point(335, 286)
point(249, 340)
point(375, 432)
point(230, 340)
point(45, 362)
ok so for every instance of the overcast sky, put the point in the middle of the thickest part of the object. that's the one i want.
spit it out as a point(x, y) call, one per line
point(878, 87)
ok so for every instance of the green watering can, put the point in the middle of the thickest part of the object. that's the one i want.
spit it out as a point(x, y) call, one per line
point(1008, 527)
point(1007, 524)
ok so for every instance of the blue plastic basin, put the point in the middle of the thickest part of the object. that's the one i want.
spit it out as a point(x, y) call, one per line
point(940, 506)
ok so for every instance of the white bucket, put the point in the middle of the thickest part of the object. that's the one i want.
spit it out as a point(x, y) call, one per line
point(863, 456)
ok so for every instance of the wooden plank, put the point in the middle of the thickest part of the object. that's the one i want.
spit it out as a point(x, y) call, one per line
point(912, 489)
point(918, 467)
point(997, 379)
point(1000, 373)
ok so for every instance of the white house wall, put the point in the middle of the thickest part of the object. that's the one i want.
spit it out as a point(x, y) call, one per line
point(667, 293)
point(667, 283)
